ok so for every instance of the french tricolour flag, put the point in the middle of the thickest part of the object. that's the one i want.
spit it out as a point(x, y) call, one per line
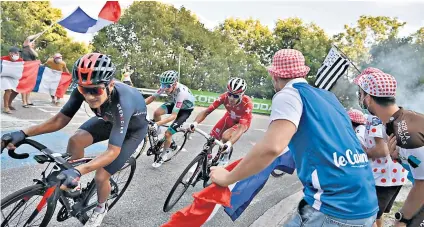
point(19, 76)
point(79, 21)
point(235, 198)
point(52, 82)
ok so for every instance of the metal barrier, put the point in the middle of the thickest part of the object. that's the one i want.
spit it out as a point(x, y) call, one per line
point(147, 91)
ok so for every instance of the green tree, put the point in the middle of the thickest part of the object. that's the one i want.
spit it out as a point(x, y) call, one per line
point(21, 19)
point(151, 36)
point(251, 35)
point(356, 41)
point(419, 36)
point(309, 39)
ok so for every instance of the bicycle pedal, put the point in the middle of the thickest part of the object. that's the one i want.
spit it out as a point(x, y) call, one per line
point(63, 214)
point(149, 151)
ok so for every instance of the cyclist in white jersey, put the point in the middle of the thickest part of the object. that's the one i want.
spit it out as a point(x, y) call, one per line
point(180, 105)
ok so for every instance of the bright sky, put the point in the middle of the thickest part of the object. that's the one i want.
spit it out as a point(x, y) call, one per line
point(329, 15)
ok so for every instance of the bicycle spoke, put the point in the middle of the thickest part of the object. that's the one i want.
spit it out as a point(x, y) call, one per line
point(124, 177)
point(20, 214)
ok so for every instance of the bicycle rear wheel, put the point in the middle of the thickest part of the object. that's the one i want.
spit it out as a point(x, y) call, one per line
point(185, 180)
point(18, 207)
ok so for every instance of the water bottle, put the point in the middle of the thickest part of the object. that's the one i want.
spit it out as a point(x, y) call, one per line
point(209, 160)
point(154, 132)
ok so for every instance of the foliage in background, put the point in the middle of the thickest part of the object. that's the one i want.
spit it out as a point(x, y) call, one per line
point(151, 36)
point(22, 19)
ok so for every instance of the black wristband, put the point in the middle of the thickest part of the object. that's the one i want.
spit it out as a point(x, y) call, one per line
point(24, 133)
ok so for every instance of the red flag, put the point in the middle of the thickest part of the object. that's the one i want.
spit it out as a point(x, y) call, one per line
point(203, 205)
point(64, 83)
point(111, 11)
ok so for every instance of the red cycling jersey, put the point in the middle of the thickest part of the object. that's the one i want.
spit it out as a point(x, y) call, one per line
point(237, 114)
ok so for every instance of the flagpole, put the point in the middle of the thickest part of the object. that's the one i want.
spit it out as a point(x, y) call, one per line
point(44, 31)
point(179, 64)
point(350, 61)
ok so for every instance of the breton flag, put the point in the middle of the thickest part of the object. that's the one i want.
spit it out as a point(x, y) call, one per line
point(330, 71)
point(19, 76)
point(79, 21)
point(52, 82)
point(235, 198)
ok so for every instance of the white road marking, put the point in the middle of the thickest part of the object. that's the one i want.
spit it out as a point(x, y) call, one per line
point(19, 120)
point(47, 111)
point(47, 106)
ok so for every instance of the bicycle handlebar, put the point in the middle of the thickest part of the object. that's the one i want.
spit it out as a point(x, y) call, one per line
point(207, 136)
point(6, 139)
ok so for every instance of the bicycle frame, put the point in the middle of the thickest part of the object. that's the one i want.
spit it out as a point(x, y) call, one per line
point(155, 143)
point(75, 204)
point(207, 149)
point(50, 181)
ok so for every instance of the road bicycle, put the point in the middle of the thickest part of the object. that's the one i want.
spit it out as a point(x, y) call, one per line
point(156, 141)
point(197, 170)
point(35, 205)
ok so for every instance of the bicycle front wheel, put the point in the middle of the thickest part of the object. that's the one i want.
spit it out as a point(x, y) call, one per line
point(141, 148)
point(179, 138)
point(119, 183)
point(185, 180)
point(22, 205)
point(277, 173)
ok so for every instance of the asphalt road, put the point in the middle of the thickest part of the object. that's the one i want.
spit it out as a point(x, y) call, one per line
point(142, 203)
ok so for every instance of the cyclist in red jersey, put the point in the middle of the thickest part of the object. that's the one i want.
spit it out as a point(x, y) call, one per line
point(236, 120)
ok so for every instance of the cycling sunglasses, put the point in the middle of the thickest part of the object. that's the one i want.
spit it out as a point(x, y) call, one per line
point(95, 91)
point(233, 95)
point(167, 86)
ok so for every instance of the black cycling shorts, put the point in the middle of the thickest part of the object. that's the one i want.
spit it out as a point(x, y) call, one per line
point(386, 197)
point(100, 131)
point(182, 116)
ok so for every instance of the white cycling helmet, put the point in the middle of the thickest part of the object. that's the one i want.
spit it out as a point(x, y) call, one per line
point(169, 77)
point(236, 86)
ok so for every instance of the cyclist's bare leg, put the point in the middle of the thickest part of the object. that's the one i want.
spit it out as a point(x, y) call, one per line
point(168, 140)
point(76, 144)
point(158, 113)
point(228, 135)
point(103, 186)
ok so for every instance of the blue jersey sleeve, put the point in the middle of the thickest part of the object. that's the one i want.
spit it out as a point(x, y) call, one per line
point(73, 104)
point(122, 115)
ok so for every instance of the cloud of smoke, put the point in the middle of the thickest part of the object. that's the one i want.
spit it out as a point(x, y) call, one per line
point(400, 58)
point(405, 61)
